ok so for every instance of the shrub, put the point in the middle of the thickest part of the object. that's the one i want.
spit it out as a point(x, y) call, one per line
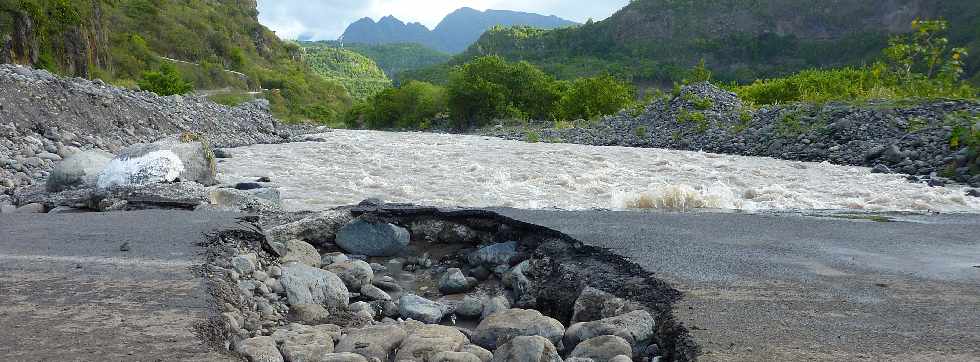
point(532, 137)
point(589, 98)
point(697, 118)
point(641, 132)
point(490, 87)
point(411, 106)
point(165, 82)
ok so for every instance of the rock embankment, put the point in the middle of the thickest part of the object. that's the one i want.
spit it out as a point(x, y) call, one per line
point(915, 139)
point(45, 118)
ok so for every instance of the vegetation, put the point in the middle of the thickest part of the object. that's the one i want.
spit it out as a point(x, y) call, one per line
point(217, 45)
point(358, 74)
point(918, 66)
point(395, 58)
point(414, 105)
point(165, 82)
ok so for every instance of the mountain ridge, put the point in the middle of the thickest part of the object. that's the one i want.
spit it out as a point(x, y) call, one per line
point(453, 34)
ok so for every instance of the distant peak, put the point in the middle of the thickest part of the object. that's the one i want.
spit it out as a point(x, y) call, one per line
point(466, 9)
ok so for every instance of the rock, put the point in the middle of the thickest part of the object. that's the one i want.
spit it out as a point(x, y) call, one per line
point(880, 168)
point(415, 307)
point(244, 264)
point(298, 251)
point(386, 283)
point(308, 285)
point(180, 157)
point(973, 192)
point(625, 358)
point(34, 208)
point(220, 153)
point(354, 273)
point(372, 292)
point(470, 308)
point(372, 341)
point(494, 305)
point(481, 353)
point(245, 186)
point(342, 357)
point(454, 357)
point(330, 258)
point(311, 314)
point(387, 308)
point(502, 326)
point(427, 340)
point(454, 282)
point(319, 229)
point(304, 347)
point(372, 239)
point(602, 348)
point(453, 233)
point(634, 327)
point(80, 170)
point(49, 156)
point(261, 200)
point(260, 349)
point(527, 349)
point(493, 255)
point(594, 304)
point(520, 283)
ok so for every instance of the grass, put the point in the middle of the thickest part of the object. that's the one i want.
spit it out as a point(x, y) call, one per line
point(697, 118)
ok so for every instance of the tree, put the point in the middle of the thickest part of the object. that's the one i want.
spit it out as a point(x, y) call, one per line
point(165, 82)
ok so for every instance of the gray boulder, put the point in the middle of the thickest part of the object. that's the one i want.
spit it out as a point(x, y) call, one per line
point(164, 161)
point(372, 341)
point(266, 199)
point(311, 314)
point(454, 357)
point(602, 348)
point(308, 285)
point(372, 292)
point(501, 327)
point(470, 307)
point(454, 282)
point(527, 349)
point(260, 349)
point(415, 307)
point(493, 305)
point(493, 255)
point(80, 170)
point(372, 239)
point(634, 327)
point(426, 341)
point(594, 304)
point(319, 229)
point(355, 273)
point(306, 346)
point(342, 357)
point(298, 251)
point(480, 352)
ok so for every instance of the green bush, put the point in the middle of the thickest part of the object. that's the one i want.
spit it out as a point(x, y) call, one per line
point(411, 106)
point(165, 82)
point(490, 87)
point(589, 98)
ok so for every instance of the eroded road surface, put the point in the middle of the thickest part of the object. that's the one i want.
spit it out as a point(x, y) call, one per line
point(69, 293)
point(794, 288)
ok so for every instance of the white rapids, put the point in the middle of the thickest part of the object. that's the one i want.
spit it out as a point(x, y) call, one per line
point(473, 171)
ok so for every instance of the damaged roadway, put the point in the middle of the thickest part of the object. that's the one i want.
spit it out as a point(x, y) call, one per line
point(757, 287)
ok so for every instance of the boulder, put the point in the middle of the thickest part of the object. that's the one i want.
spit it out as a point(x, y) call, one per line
point(415, 307)
point(634, 327)
point(494, 305)
point(342, 357)
point(305, 347)
point(454, 357)
point(182, 157)
point(602, 348)
point(372, 292)
point(454, 282)
point(428, 340)
point(470, 307)
point(481, 353)
point(372, 341)
point(493, 255)
point(355, 273)
point(527, 349)
point(594, 304)
point(312, 314)
point(330, 258)
point(372, 239)
point(308, 285)
point(252, 200)
point(298, 251)
point(260, 349)
point(80, 170)
point(501, 327)
point(319, 230)
point(244, 264)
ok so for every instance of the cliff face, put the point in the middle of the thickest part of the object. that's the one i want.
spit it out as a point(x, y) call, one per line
point(32, 35)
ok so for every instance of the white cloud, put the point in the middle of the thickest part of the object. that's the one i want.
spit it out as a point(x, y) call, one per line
point(327, 19)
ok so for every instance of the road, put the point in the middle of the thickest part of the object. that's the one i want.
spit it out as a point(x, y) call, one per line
point(68, 292)
point(794, 288)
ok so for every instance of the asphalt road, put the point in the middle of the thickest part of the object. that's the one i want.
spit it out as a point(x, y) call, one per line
point(794, 288)
point(68, 293)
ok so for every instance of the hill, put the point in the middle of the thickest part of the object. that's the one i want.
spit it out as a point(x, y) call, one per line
point(741, 40)
point(454, 33)
point(359, 74)
point(214, 44)
point(392, 58)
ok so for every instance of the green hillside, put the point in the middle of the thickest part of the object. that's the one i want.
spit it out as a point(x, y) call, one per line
point(213, 44)
point(359, 74)
point(655, 41)
point(392, 58)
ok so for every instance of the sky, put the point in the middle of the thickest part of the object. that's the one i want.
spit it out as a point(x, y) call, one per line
point(327, 19)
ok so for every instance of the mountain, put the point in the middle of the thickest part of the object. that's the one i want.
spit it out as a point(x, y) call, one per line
point(741, 40)
point(393, 58)
point(217, 45)
point(359, 74)
point(454, 33)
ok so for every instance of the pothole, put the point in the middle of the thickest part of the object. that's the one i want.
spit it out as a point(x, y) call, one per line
point(468, 285)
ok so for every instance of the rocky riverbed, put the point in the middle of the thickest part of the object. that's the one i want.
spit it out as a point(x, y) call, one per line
point(915, 139)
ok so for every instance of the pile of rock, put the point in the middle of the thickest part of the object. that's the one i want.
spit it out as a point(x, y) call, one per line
point(382, 298)
point(913, 139)
point(44, 119)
